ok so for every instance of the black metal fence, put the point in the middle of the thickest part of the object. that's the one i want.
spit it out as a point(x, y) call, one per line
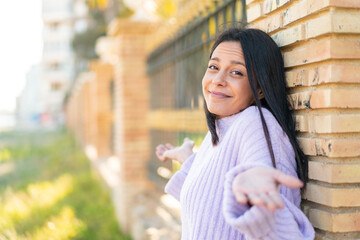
point(176, 69)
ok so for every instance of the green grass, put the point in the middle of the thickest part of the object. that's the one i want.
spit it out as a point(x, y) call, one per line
point(49, 191)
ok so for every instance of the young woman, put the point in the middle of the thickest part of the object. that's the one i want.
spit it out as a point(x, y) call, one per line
point(243, 182)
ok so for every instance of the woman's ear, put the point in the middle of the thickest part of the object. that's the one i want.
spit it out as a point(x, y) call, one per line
point(260, 94)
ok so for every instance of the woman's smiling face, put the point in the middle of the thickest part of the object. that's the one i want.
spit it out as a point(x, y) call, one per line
point(225, 84)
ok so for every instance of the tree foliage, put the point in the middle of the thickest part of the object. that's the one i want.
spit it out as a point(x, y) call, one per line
point(167, 8)
point(101, 12)
point(84, 42)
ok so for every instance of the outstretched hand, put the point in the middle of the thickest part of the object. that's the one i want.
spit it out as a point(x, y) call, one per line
point(179, 153)
point(259, 186)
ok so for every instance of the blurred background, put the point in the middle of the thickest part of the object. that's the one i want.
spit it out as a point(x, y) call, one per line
point(18, 58)
point(88, 89)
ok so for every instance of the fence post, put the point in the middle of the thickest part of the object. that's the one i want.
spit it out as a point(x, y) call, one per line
point(131, 100)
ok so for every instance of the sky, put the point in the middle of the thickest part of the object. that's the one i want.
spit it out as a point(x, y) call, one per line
point(20, 46)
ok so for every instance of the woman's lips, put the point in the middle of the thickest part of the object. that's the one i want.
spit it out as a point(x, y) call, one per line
point(218, 94)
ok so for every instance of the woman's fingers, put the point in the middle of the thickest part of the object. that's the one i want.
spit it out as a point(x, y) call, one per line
point(255, 199)
point(169, 146)
point(160, 149)
point(188, 143)
point(161, 146)
point(178, 153)
point(287, 180)
point(276, 199)
point(268, 201)
point(271, 201)
point(241, 198)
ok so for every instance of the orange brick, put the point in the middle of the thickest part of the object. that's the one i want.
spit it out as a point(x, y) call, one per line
point(328, 73)
point(297, 77)
point(337, 98)
point(270, 23)
point(329, 48)
point(271, 5)
point(319, 26)
point(254, 12)
point(332, 123)
point(333, 22)
point(335, 73)
point(249, 1)
point(289, 36)
point(332, 196)
point(327, 98)
point(345, 3)
point(302, 9)
point(334, 172)
point(336, 147)
point(300, 100)
point(345, 47)
point(312, 52)
point(336, 123)
point(335, 222)
point(180, 120)
point(319, 236)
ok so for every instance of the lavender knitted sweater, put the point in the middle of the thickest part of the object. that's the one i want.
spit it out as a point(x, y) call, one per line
point(209, 210)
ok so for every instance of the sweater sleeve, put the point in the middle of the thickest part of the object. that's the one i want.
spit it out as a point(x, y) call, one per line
point(257, 222)
point(173, 187)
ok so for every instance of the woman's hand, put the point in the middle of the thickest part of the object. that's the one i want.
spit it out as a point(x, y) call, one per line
point(259, 186)
point(180, 153)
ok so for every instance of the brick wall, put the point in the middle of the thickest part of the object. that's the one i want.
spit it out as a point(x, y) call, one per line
point(103, 109)
point(79, 110)
point(132, 143)
point(89, 111)
point(320, 41)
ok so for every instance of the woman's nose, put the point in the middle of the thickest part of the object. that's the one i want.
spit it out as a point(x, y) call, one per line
point(219, 79)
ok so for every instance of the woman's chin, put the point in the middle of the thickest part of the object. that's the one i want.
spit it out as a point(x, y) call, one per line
point(218, 113)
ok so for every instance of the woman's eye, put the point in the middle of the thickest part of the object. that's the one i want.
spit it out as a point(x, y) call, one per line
point(237, 73)
point(213, 67)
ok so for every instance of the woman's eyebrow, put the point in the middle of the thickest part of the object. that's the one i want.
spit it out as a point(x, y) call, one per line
point(237, 62)
point(215, 59)
point(232, 61)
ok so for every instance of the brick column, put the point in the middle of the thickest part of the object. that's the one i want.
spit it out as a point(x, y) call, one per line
point(132, 143)
point(320, 41)
point(86, 125)
point(103, 75)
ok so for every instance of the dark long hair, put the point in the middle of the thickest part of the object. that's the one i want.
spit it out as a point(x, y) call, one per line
point(264, 63)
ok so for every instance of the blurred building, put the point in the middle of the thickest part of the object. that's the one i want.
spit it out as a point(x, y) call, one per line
point(62, 19)
point(7, 121)
point(30, 104)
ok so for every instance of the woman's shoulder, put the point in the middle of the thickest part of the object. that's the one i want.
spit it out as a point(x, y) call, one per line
point(250, 118)
point(252, 131)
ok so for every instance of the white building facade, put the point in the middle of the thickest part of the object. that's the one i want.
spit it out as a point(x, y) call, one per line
point(30, 104)
point(41, 101)
point(61, 20)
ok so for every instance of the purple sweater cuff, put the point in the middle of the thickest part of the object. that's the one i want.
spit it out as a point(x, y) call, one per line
point(174, 186)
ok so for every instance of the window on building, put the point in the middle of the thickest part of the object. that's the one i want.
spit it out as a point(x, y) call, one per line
point(54, 66)
point(54, 26)
point(56, 86)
